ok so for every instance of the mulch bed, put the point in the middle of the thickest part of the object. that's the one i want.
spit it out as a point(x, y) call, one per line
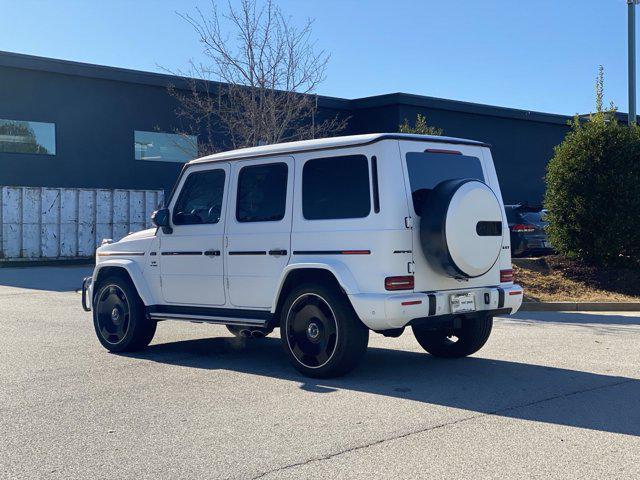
point(557, 279)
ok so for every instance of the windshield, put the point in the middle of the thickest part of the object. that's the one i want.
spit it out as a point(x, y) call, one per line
point(427, 169)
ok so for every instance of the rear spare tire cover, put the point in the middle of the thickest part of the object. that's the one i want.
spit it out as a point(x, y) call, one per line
point(461, 228)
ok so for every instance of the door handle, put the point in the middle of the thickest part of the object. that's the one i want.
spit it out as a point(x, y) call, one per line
point(212, 253)
point(277, 253)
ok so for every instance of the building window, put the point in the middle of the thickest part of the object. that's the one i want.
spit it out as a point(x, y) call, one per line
point(200, 200)
point(262, 193)
point(18, 136)
point(165, 147)
point(336, 187)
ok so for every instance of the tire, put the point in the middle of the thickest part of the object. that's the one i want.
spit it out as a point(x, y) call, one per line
point(248, 332)
point(471, 337)
point(321, 333)
point(119, 316)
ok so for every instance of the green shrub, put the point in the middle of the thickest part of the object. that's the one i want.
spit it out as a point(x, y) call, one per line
point(593, 190)
point(420, 127)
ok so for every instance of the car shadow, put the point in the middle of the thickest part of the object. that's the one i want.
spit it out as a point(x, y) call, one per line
point(496, 387)
point(52, 279)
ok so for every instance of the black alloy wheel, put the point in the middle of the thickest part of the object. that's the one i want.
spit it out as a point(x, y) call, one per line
point(113, 314)
point(119, 316)
point(321, 333)
point(312, 331)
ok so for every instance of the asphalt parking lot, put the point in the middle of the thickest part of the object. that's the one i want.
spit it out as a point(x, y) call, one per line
point(552, 395)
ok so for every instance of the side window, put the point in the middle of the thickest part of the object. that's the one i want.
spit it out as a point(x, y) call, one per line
point(262, 193)
point(336, 187)
point(200, 199)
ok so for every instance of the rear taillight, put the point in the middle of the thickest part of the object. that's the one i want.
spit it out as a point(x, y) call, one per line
point(399, 283)
point(506, 276)
point(523, 228)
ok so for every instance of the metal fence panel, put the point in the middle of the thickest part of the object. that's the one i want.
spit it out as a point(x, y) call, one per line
point(65, 223)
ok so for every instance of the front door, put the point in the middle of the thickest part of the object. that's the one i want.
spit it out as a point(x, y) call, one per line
point(191, 258)
point(258, 229)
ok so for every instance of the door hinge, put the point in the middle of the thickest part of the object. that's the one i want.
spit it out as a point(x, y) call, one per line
point(411, 267)
point(226, 241)
point(408, 222)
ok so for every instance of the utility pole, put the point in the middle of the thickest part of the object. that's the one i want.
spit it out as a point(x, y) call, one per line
point(631, 17)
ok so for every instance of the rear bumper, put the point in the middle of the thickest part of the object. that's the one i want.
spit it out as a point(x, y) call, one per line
point(522, 244)
point(386, 311)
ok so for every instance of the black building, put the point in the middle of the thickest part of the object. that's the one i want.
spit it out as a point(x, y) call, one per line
point(68, 124)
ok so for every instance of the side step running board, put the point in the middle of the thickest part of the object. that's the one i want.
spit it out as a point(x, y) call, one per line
point(241, 322)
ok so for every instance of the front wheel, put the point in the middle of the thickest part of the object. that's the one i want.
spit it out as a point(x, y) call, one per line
point(321, 333)
point(119, 317)
point(456, 343)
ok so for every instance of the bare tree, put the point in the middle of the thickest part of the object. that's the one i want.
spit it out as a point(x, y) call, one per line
point(258, 85)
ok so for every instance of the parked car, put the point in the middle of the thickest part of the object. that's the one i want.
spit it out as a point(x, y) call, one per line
point(325, 239)
point(527, 228)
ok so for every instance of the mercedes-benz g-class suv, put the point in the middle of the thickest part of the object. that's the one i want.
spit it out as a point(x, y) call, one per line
point(325, 239)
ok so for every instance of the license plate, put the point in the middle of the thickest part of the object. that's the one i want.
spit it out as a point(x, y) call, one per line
point(463, 302)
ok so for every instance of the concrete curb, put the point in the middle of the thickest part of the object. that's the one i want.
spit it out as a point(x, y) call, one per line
point(580, 307)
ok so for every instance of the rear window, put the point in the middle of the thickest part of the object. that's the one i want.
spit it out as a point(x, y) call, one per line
point(426, 170)
point(533, 217)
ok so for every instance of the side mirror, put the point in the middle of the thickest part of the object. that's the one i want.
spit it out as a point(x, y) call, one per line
point(160, 218)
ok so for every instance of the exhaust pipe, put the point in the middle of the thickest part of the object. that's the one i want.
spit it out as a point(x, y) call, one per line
point(257, 333)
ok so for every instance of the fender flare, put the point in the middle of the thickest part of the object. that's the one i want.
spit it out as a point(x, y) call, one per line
point(338, 269)
point(135, 273)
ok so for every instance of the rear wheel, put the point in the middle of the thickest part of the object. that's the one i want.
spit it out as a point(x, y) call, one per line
point(455, 343)
point(321, 333)
point(119, 317)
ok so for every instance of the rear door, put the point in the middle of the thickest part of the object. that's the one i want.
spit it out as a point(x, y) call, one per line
point(258, 229)
point(425, 165)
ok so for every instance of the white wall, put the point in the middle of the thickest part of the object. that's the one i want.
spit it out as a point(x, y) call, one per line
point(56, 223)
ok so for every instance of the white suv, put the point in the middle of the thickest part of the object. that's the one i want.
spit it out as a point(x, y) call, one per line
point(326, 239)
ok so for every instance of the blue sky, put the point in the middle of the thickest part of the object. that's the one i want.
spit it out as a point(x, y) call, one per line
point(539, 54)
